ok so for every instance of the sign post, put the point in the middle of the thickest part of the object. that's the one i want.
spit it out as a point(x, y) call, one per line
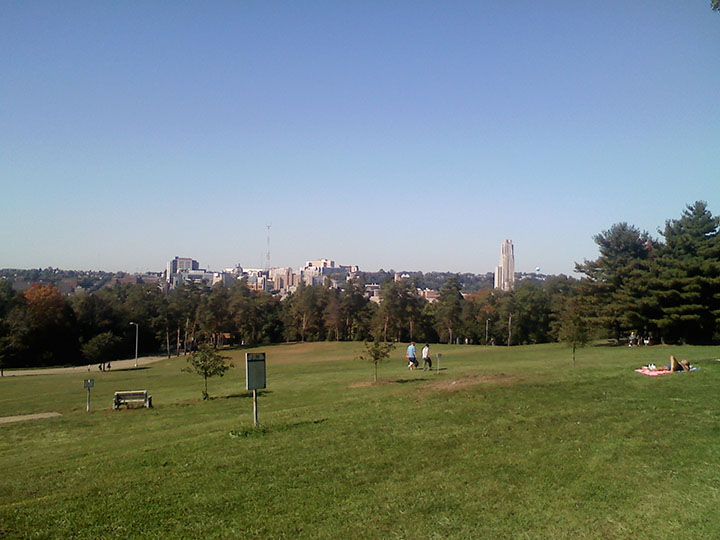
point(255, 378)
point(88, 383)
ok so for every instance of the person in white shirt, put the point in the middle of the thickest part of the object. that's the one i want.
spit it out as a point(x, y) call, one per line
point(427, 361)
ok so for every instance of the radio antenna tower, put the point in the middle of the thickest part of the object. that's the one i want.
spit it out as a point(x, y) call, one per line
point(267, 253)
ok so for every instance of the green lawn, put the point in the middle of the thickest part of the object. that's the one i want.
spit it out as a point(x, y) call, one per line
point(501, 443)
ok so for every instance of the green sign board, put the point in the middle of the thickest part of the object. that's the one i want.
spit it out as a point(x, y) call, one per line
point(254, 371)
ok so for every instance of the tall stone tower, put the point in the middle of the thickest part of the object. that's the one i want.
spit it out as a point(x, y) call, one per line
point(505, 271)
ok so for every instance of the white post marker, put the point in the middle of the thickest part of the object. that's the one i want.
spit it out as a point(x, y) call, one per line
point(88, 383)
point(137, 331)
point(255, 378)
point(439, 356)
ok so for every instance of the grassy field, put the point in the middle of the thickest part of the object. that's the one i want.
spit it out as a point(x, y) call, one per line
point(500, 443)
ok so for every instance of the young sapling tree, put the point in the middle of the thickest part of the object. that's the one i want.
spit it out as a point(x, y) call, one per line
point(574, 329)
point(376, 352)
point(208, 362)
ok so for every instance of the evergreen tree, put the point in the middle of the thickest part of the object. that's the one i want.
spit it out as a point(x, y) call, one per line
point(614, 281)
point(685, 284)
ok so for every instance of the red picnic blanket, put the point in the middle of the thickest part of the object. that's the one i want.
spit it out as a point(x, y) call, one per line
point(653, 372)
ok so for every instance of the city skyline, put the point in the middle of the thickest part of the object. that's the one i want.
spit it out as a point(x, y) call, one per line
point(405, 136)
point(167, 268)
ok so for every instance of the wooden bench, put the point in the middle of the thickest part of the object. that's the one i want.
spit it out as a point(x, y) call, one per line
point(127, 397)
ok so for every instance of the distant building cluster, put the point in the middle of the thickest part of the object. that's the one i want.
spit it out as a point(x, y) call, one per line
point(281, 280)
point(276, 280)
point(185, 269)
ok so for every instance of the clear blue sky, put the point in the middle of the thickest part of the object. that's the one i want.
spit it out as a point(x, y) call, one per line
point(388, 134)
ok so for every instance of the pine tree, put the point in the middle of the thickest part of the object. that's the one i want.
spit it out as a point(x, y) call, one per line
point(685, 284)
point(615, 283)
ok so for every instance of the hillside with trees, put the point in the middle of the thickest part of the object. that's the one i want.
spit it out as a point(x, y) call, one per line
point(666, 289)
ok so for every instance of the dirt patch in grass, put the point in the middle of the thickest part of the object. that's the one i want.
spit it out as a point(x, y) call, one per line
point(23, 417)
point(367, 384)
point(448, 385)
point(453, 385)
point(385, 382)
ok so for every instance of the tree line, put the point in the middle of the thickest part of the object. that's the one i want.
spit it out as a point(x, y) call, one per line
point(668, 289)
point(40, 327)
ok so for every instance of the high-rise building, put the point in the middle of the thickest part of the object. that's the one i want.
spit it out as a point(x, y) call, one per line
point(505, 271)
point(282, 278)
point(179, 265)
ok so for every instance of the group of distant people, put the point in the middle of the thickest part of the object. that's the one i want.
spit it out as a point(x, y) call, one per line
point(103, 366)
point(635, 340)
point(411, 357)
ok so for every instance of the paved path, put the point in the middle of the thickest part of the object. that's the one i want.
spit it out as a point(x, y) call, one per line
point(117, 364)
point(21, 417)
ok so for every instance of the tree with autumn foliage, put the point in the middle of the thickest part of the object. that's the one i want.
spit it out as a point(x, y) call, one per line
point(42, 329)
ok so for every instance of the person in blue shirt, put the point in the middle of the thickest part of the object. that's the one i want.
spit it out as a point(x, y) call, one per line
point(411, 356)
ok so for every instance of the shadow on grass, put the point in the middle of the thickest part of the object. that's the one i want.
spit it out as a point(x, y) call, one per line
point(242, 395)
point(275, 428)
point(139, 368)
point(406, 381)
point(608, 343)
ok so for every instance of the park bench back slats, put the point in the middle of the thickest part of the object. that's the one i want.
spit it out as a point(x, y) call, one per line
point(126, 397)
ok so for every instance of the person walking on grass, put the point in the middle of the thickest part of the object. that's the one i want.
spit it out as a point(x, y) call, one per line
point(427, 361)
point(410, 355)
